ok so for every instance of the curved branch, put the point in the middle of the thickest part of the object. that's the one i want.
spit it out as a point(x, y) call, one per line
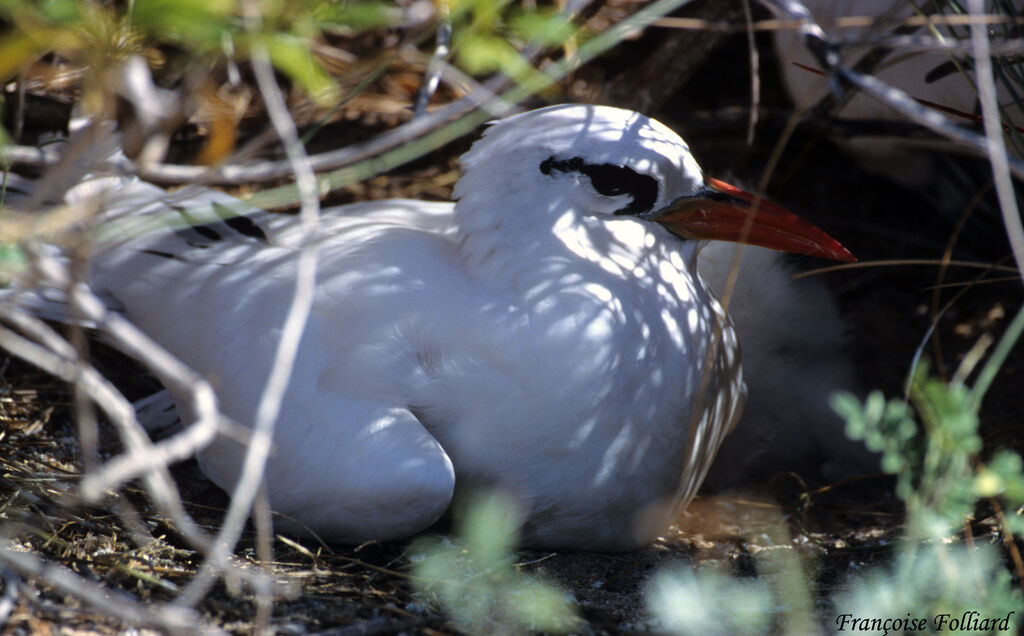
point(827, 55)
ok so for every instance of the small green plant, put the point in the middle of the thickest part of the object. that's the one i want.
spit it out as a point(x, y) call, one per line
point(938, 472)
point(474, 580)
point(930, 443)
point(940, 479)
point(933, 587)
point(932, 461)
point(705, 599)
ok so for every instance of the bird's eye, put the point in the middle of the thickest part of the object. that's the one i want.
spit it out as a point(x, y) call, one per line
point(610, 180)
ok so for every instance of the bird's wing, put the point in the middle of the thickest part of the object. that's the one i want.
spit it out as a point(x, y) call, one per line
point(719, 403)
point(214, 287)
point(205, 224)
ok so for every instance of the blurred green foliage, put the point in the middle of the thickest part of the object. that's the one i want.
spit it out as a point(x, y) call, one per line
point(97, 34)
point(474, 580)
point(194, 37)
point(709, 602)
point(932, 461)
point(488, 35)
point(932, 579)
point(930, 442)
point(938, 471)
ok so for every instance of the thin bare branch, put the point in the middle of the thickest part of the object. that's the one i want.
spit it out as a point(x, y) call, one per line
point(57, 357)
point(442, 47)
point(827, 55)
point(263, 171)
point(269, 407)
point(995, 143)
point(172, 371)
point(142, 458)
point(793, 21)
point(755, 74)
point(917, 42)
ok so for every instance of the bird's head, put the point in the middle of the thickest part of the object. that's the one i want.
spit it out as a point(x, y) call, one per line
point(599, 160)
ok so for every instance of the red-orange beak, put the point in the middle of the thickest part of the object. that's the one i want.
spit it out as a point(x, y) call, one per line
point(722, 212)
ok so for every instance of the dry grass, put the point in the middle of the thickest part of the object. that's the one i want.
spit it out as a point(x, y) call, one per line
point(366, 589)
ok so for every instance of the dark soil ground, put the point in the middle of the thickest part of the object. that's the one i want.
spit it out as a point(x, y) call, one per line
point(834, 530)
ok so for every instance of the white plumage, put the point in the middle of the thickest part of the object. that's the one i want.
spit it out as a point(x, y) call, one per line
point(795, 356)
point(545, 334)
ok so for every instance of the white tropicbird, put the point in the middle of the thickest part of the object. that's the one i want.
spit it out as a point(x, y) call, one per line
point(545, 334)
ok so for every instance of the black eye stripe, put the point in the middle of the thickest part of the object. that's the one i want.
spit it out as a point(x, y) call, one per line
point(610, 180)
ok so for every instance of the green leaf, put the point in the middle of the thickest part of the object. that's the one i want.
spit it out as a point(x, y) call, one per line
point(544, 607)
point(481, 54)
point(484, 15)
point(12, 258)
point(491, 528)
point(848, 407)
point(200, 23)
point(292, 56)
point(708, 602)
point(474, 580)
point(548, 28)
point(358, 16)
point(16, 51)
point(874, 407)
point(1004, 471)
point(60, 11)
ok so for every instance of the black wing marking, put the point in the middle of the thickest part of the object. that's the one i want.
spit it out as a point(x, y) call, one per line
point(231, 226)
